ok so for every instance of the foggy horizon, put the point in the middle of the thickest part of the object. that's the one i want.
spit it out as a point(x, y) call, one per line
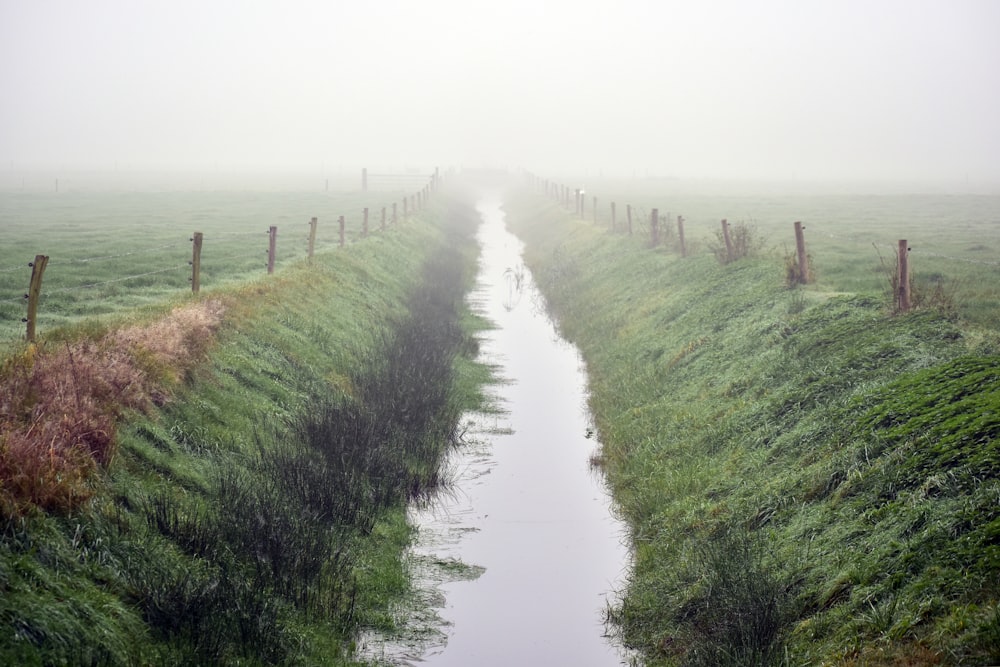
point(886, 91)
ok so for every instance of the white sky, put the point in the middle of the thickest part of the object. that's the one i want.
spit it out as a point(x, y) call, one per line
point(757, 89)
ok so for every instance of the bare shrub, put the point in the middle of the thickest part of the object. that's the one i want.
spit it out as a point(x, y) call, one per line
point(744, 239)
point(793, 274)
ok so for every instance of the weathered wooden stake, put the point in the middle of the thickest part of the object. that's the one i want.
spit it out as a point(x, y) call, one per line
point(728, 240)
point(272, 247)
point(904, 276)
point(800, 250)
point(312, 237)
point(342, 224)
point(34, 293)
point(680, 235)
point(196, 241)
point(364, 225)
point(654, 227)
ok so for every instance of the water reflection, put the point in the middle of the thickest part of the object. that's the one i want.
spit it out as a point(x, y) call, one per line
point(518, 561)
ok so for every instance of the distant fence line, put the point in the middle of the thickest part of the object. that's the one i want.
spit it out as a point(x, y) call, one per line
point(388, 216)
point(655, 225)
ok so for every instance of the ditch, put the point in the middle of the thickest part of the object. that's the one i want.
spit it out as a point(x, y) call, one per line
point(519, 556)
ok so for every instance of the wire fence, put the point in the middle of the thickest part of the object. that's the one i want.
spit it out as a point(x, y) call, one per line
point(954, 251)
point(79, 285)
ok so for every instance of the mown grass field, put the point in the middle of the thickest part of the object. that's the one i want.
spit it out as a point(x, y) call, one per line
point(248, 506)
point(110, 251)
point(810, 477)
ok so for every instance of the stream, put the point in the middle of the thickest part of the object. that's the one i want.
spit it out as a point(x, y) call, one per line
point(518, 559)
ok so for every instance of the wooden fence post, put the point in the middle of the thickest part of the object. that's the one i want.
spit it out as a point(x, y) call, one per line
point(800, 250)
point(612, 217)
point(312, 237)
point(342, 224)
point(34, 292)
point(364, 225)
point(728, 240)
point(654, 228)
point(272, 247)
point(196, 241)
point(903, 277)
point(680, 235)
point(628, 211)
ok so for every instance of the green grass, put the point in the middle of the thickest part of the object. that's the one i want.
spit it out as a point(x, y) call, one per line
point(851, 237)
point(808, 478)
point(116, 251)
point(258, 517)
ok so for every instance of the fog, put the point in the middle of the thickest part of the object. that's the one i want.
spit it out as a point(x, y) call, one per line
point(860, 90)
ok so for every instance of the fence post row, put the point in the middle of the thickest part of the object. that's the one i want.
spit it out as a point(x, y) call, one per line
point(34, 292)
point(272, 247)
point(421, 200)
point(196, 241)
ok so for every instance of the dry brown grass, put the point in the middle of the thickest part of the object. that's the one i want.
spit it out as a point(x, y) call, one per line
point(59, 406)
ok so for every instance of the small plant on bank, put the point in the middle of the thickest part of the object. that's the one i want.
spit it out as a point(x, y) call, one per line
point(793, 274)
point(930, 292)
point(744, 241)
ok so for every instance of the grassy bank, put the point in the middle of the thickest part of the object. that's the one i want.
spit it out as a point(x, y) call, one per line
point(809, 479)
point(251, 509)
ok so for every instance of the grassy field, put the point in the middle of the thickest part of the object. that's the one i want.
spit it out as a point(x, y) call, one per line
point(110, 251)
point(851, 238)
point(810, 478)
point(248, 504)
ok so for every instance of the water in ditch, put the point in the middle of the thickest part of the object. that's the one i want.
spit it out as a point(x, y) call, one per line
point(518, 560)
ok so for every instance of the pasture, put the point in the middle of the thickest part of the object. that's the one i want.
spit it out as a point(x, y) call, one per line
point(851, 238)
point(111, 252)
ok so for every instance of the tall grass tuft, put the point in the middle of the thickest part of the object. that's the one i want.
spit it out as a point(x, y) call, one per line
point(740, 607)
